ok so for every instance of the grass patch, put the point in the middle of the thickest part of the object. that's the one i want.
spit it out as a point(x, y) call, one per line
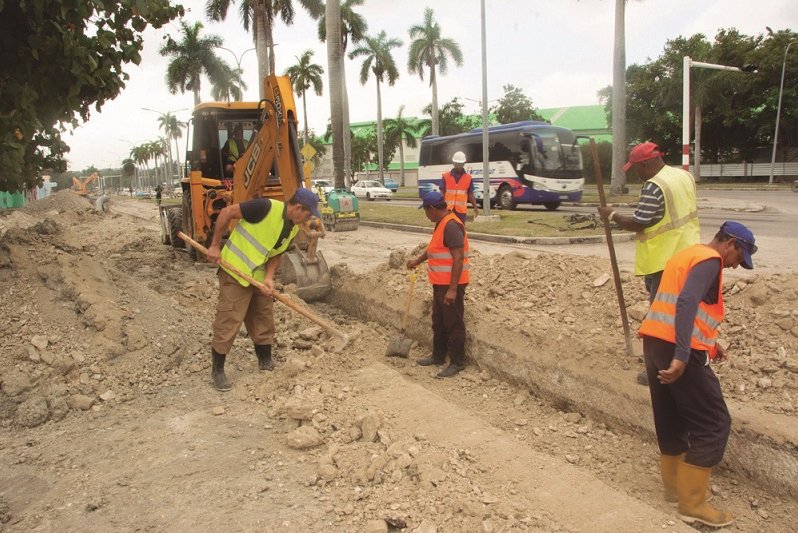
point(518, 223)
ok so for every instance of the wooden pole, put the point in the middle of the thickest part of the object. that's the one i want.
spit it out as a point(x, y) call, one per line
point(613, 260)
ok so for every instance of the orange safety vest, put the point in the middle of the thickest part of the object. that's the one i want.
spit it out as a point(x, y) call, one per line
point(439, 257)
point(457, 192)
point(660, 322)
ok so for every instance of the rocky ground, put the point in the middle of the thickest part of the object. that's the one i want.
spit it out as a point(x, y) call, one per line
point(109, 420)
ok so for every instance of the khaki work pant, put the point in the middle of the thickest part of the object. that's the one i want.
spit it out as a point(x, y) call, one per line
point(239, 304)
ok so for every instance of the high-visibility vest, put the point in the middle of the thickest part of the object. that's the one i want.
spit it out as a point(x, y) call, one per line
point(660, 322)
point(457, 192)
point(250, 245)
point(233, 151)
point(678, 228)
point(439, 257)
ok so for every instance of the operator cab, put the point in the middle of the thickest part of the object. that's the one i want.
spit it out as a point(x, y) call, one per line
point(212, 134)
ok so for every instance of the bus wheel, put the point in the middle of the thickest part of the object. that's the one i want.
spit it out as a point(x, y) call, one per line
point(506, 198)
point(551, 206)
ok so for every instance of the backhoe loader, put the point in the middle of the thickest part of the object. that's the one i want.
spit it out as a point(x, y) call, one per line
point(237, 151)
point(81, 186)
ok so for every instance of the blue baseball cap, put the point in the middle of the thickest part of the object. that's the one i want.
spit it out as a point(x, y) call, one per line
point(744, 238)
point(309, 200)
point(431, 198)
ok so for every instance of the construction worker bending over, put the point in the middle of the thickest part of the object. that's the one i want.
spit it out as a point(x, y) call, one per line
point(679, 339)
point(448, 271)
point(458, 188)
point(265, 229)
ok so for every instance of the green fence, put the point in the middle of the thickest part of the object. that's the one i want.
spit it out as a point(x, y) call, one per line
point(11, 199)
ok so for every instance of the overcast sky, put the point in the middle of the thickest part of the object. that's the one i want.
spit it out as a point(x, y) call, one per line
point(558, 51)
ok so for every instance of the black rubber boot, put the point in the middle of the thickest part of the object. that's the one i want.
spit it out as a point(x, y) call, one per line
point(429, 361)
point(264, 353)
point(217, 372)
point(450, 371)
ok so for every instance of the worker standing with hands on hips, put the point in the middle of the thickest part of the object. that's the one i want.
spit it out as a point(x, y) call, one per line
point(666, 218)
point(448, 270)
point(458, 188)
point(680, 335)
point(265, 229)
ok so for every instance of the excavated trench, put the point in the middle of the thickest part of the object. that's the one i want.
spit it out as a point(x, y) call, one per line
point(575, 361)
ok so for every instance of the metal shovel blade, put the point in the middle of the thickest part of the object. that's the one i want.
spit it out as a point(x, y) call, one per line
point(399, 346)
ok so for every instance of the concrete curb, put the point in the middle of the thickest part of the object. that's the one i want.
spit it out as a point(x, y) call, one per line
point(507, 239)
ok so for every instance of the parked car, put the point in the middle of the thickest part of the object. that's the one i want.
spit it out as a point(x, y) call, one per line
point(391, 185)
point(326, 185)
point(479, 189)
point(371, 190)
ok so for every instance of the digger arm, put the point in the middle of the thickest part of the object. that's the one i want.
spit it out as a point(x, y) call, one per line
point(276, 140)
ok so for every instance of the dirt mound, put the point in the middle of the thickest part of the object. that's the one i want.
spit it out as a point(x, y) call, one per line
point(565, 308)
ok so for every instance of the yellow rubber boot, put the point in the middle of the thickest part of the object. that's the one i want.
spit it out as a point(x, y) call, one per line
point(691, 486)
point(667, 466)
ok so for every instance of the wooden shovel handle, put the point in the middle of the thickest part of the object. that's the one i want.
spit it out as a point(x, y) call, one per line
point(283, 299)
point(409, 299)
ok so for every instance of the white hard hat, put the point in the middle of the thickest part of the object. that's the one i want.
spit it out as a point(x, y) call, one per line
point(458, 157)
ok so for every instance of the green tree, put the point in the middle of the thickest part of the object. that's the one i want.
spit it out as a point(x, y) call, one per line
point(514, 106)
point(305, 75)
point(452, 119)
point(58, 60)
point(192, 57)
point(353, 28)
point(429, 49)
point(260, 16)
point(230, 86)
point(398, 132)
point(378, 61)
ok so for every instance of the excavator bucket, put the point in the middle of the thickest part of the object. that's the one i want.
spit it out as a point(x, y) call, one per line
point(311, 276)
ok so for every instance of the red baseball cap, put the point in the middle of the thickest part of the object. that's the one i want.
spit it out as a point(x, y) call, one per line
point(642, 152)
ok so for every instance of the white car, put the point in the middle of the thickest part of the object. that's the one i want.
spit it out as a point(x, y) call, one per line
point(325, 185)
point(371, 190)
point(479, 188)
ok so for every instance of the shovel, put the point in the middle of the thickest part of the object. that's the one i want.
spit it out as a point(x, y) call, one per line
point(283, 299)
point(399, 346)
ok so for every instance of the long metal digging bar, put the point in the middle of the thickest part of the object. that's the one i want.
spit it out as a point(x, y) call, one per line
point(613, 260)
point(283, 299)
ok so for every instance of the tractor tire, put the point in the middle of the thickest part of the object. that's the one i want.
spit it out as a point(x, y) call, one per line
point(175, 218)
point(552, 206)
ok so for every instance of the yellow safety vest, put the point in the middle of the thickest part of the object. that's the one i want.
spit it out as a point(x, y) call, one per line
point(678, 228)
point(250, 245)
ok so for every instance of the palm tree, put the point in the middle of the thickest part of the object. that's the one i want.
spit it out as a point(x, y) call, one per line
point(353, 28)
point(335, 59)
point(430, 50)
point(400, 131)
point(378, 61)
point(305, 75)
point(231, 87)
point(260, 15)
point(173, 129)
point(192, 57)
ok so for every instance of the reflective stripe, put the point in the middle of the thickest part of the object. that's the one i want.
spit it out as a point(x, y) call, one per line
point(240, 254)
point(252, 240)
point(673, 224)
point(665, 297)
point(670, 320)
point(708, 320)
point(442, 268)
point(444, 255)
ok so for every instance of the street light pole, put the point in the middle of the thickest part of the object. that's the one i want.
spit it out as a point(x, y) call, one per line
point(778, 112)
point(687, 64)
point(237, 58)
point(485, 161)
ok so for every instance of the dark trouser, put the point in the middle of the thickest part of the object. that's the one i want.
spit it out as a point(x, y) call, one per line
point(448, 327)
point(652, 284)
point(690, 415)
